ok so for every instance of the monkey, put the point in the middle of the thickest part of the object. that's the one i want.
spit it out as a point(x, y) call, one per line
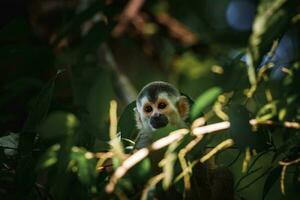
point(159, 104)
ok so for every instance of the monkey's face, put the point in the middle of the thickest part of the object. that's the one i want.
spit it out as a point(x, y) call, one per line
point(161, 111)
point(156, 113)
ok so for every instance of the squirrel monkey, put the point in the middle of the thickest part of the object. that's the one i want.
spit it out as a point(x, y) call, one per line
point(157, 105)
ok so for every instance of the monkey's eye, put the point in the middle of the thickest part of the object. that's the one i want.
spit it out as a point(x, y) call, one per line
point(148, 109)
point(162, 105)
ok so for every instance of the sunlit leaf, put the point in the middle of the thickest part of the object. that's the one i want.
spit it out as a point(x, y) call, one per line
point(49, 158)
point(268, 111)
point(190, 65)
point(59, 125)
point(204, 100)
point(83, 164)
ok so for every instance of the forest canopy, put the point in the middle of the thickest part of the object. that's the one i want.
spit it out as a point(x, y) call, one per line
point(71, 72)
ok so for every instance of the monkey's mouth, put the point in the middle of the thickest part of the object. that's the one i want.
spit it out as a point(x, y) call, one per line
point(159, 122)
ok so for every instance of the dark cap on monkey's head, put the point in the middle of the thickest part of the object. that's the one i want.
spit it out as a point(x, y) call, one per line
point(153, 89)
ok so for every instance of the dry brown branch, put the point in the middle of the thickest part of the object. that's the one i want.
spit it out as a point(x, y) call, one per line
point(246, 160)
point(286, 124)
point(102, 158)
point(121, 195)
point(172, 137)
point(198, 122)
point(104, 154)
point(282, 188)
point(141, 154)
point(177, 29)
point(130, 11)
point(126, 91)
point(284, 163)
point(211, 128)
point(117, 147)
point(223, 145)
point(151, 183)
point(181, 156)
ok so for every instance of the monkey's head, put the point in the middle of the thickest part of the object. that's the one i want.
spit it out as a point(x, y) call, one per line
point(159, 104)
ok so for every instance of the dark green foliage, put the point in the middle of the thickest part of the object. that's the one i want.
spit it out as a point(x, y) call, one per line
point(239, 117)
point(271, 180)
point(65, 61)
point(127, 124)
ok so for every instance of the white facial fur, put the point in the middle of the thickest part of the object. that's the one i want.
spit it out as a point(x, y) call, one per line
point(145, 120)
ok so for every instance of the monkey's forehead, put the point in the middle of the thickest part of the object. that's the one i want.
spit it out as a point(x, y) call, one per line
point(155, 89)
point(162, 95)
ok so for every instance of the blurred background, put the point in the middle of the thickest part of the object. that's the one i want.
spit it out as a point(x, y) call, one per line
point(63, 61)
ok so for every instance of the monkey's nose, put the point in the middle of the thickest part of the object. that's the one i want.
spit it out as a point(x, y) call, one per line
point(158, 121)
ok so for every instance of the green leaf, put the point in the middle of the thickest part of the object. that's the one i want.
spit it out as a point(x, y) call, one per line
point(36, 115)
point(40, 109)
point(162, 132)
point(59, 124)
point(49, 158)
point(271, 180)
point(83, 164)
point(268, 111)
point(270, 23)
point(241, 132)
point(204, 100)
point(27, 137)
point(127, 123)
point(141, 172)
point(168, 168)
point(168, 163)
point(9, 144)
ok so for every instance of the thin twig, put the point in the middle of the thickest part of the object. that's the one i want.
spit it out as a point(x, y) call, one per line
point(211, 128)
point(285, 163)
point(151, 183)
point(130, 11)
point(172, 137)
point(282, 176)
point(177, 29)
point(286, 124)
point(141, 154)
point(116, 145)
point(246, 160)
point(223, 145)
point(126, 91)
point(181, 156)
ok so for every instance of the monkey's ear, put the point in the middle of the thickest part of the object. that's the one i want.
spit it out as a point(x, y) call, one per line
point(183, 106)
